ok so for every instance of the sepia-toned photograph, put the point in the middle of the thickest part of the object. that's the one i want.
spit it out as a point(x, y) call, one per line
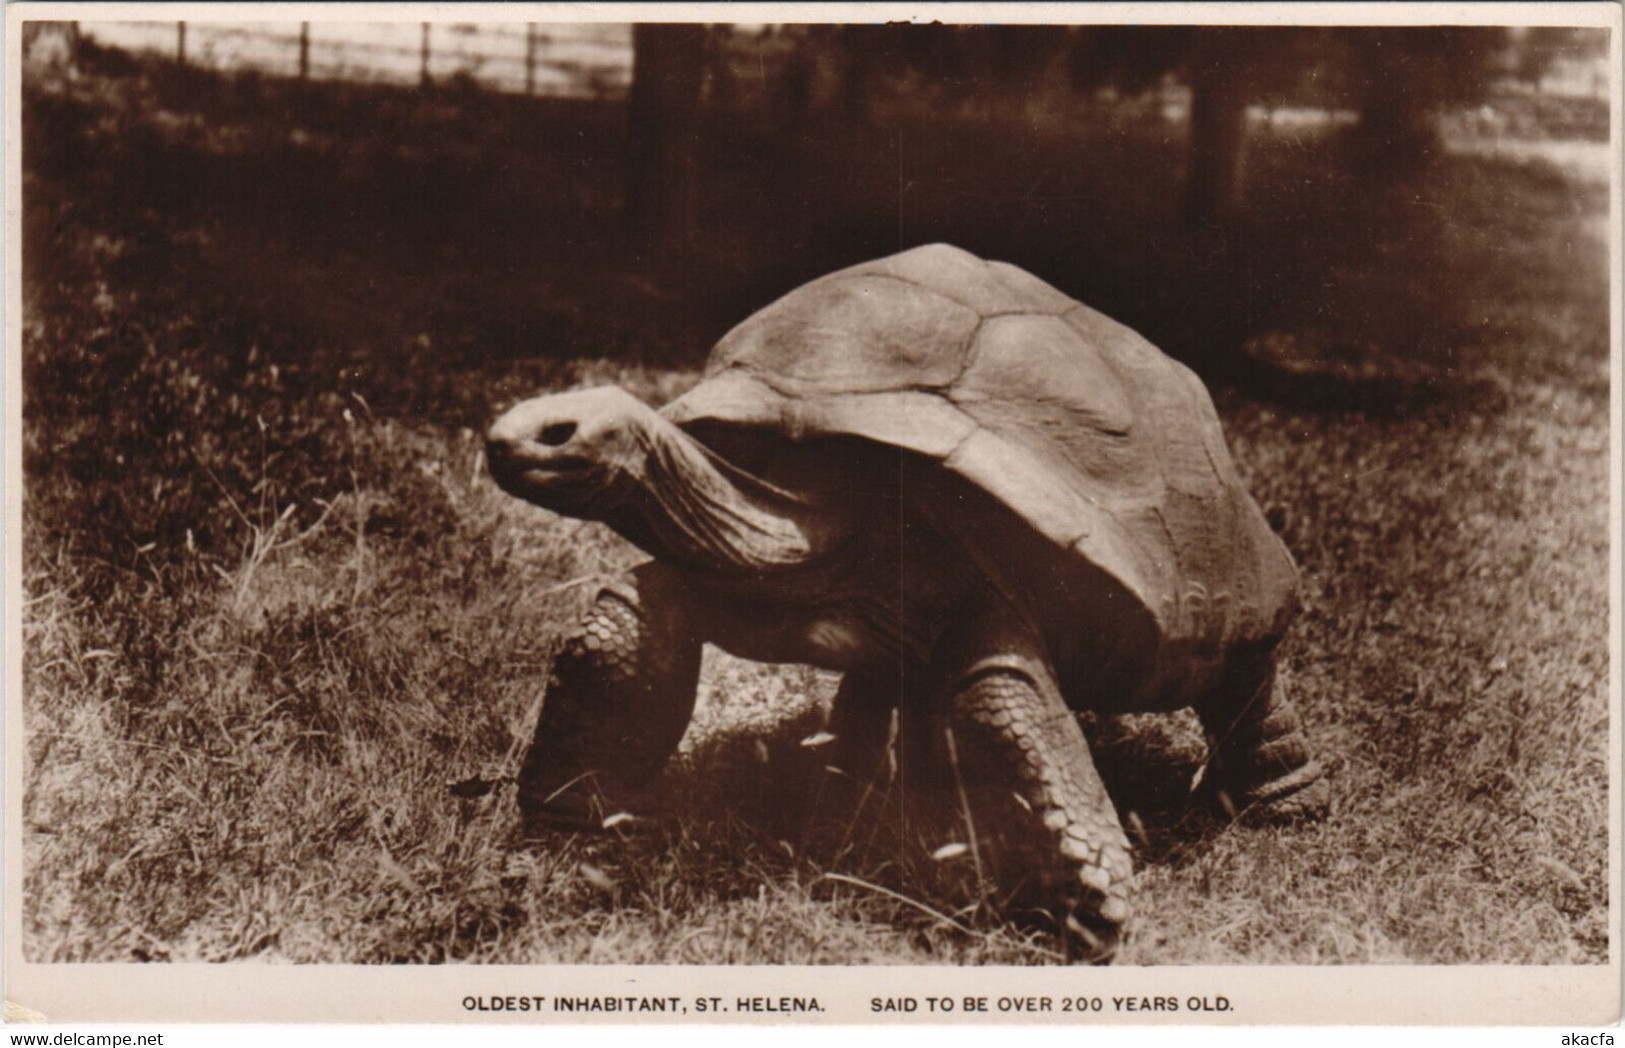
point(1042, 504)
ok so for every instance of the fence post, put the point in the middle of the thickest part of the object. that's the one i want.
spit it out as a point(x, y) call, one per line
point(304, 50)
point(180, 43)
point(530, 58)
point(423, 62)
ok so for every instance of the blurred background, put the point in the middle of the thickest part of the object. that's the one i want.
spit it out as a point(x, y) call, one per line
point(1204, 184)
point(278, 277)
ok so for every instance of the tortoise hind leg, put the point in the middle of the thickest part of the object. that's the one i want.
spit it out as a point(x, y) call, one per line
point(1014, 739)
point(1259, 761)
point(618, 701)
point(854, 771)
point(861, 721)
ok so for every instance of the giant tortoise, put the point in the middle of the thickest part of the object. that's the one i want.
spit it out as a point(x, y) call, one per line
point(985, 504)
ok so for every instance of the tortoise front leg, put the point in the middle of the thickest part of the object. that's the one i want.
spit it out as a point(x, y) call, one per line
point(618, 701)
point(1014, 738)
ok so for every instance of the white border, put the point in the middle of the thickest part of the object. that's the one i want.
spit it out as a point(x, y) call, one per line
point(1588, 995)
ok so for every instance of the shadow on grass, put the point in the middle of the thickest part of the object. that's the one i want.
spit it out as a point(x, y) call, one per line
point(769, 795)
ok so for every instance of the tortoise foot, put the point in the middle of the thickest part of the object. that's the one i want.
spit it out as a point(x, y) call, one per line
point(1300, 795)
point(1260, 765)
point(1097, 875)
point(586, 811)
point(619, 699)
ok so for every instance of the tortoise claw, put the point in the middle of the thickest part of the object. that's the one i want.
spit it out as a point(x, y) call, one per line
point(1301, 795)
point(1092, 941)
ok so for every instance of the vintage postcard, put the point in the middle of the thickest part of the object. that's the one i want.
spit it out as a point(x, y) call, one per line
point(1066, 514)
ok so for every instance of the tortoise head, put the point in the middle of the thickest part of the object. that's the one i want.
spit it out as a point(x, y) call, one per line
point(576, 453)
point(602, 454)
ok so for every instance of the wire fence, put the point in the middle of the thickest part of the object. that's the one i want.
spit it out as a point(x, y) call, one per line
point(559, 60)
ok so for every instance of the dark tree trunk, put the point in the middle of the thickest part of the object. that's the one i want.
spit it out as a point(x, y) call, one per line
point(1397, 134)
point(1405, 77)
point(858, 47)
point(1217, 130)
point(530, 58)
point(793, 96)
point(423, 57)
point(662, 139)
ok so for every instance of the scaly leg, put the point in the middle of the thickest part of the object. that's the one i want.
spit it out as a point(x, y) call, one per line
point(619, 699)
point(861, 721)
point(1259, 762)
point(1014, 738)
point(855, 767)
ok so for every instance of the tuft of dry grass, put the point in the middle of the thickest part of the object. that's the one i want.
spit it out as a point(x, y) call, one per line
point(275, 612)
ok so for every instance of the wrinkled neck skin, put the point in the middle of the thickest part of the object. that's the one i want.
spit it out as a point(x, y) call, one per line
point(686, 506)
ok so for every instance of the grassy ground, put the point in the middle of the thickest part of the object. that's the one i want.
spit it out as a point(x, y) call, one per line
point(274, 608)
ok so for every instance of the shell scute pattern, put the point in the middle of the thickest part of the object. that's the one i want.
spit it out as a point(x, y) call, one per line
point(1082, 427)
point(987, 289)
point(850, 334)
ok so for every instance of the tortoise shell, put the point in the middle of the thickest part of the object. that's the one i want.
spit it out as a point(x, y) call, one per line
point(1105, 446)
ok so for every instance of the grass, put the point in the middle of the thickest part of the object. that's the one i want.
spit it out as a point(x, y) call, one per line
point(275, 612)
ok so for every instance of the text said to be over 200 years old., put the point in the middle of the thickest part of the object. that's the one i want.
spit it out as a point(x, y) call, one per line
point(1044, 1004)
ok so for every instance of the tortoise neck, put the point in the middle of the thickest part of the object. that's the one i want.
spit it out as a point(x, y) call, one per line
point(692, 508)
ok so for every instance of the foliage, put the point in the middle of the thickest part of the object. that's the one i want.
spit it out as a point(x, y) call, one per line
point(948, 65)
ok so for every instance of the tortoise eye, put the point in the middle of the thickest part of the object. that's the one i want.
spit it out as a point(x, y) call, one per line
point(557, 433)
